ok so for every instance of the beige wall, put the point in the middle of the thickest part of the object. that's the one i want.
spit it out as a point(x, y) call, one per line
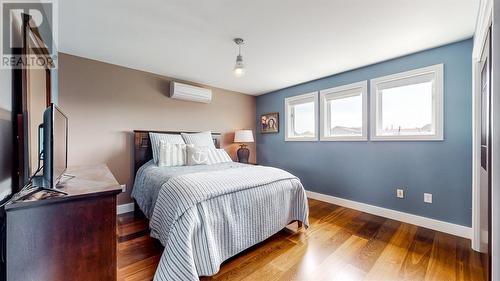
point(37, 103)
point(105, 103)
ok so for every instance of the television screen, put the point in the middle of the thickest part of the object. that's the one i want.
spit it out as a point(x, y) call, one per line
point(55, 146)
point(60, 145)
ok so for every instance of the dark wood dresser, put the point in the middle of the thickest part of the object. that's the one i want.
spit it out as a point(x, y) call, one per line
point(71, 237)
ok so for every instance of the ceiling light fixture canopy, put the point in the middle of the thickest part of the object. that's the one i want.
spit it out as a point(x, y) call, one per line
point(239, 67)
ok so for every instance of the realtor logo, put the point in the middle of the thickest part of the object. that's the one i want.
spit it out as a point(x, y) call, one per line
point(28, 34)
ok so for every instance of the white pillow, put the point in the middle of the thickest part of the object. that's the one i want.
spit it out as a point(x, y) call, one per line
point(168, 138)
point(199, 139)
point(171, 154)
point(196, 155)
point(218, 156)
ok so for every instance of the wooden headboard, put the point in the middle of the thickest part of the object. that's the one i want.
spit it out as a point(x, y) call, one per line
point(142, 145)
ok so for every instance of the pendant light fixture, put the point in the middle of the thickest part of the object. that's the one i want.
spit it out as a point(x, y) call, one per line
point(239, 67)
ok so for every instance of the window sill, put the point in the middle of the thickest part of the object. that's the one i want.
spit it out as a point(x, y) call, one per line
point(346, 138)
point(407, 138)
point(301, 139)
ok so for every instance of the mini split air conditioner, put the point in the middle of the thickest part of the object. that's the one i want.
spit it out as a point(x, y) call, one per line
point(190, 93)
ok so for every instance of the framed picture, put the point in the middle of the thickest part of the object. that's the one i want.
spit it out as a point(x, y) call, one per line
point(269, 123)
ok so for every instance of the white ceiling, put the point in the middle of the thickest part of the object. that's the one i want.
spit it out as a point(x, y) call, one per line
point(287, 42)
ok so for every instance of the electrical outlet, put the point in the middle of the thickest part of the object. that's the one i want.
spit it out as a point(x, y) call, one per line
point(428, 198)
point(124, 187)
point(400, 193)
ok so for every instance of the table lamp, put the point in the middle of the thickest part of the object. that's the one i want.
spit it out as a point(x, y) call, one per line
point(242, 137)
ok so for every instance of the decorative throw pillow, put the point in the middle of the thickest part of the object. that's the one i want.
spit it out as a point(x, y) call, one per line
point(218, 156)
point(168, 138)
point(171, 154)
point(199, 139)
point(196, 155)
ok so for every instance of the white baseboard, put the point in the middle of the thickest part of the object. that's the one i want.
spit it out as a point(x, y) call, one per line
point(124, 208)
point(451, 228)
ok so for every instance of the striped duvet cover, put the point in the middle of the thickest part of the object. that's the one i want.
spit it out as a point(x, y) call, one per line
point(204, 218)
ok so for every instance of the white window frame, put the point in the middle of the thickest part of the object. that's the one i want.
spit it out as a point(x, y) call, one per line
point(399, 79)
point(305, 98)
point(338, 93)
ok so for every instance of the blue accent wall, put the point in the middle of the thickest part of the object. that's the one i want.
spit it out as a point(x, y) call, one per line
point(370, 171)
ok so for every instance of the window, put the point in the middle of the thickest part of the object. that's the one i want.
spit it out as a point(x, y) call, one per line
point(408, 105)
point(301, 121)
point(344, 113)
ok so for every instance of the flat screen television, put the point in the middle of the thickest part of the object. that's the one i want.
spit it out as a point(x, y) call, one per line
point(54, 147)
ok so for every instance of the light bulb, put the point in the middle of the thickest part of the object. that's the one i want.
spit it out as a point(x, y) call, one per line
point(239, 67)
point(239, 71)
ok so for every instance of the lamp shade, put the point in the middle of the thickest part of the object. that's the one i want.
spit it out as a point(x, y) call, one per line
point(243, 136)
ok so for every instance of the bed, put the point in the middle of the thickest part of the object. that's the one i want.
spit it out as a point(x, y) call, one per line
point(205, 214)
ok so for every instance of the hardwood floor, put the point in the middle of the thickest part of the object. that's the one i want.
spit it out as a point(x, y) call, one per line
point(341, 244)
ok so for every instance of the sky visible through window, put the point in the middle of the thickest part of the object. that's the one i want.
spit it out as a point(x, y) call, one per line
point(407, 109)
point(303, 121)
point(346, 115)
